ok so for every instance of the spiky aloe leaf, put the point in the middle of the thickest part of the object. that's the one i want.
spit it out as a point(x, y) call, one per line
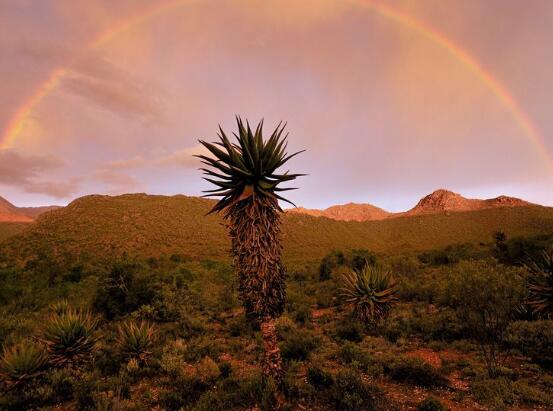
point(70, 337)
point(135, 340)
point(22, 362)
point(540, 284)
point(248, 167)
point(371, 291)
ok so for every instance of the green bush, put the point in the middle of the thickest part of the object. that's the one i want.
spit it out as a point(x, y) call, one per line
point(351, 353)
point(350, 393)
point(533, 339)
point(417, 372)
point(486, 298)
point(123, 290)
point(527, 393)
point(431, 404)
point(297, 344)
point(495, 393)
point(350, 329)
point(319, 378)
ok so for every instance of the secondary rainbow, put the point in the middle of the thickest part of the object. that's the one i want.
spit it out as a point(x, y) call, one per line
point(17, 123)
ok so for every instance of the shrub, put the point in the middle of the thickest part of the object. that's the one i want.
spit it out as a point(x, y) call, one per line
point(486, 298)
point(529, 394)
point(319, 378)
point(371, 291)
point(22, 363)
point(122, 290)
point(350, 393)
point(495, 393)
point(70, 337)
point(417, 372)
point(352, 354)
point(431, 404)
point(533, 339)
point(298, 344)
point(350, 329)
point(135, 340)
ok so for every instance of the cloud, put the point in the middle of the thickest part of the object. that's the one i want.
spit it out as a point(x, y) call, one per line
point(181, 158)
point(118, 182)
point(22, 171)
point(92, 76)
point(96, 79)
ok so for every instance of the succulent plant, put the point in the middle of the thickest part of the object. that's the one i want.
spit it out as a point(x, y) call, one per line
point(371, 291)
point(246, 177)
point(22, 362)
point(70, 337)
point(60, 307)
point(540, 284)
point(135, 340)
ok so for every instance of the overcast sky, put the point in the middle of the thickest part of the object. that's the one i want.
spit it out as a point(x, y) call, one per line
point(386, 111)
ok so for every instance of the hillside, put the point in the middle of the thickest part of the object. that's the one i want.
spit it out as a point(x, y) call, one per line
point(346, 212)
point(12, 214)
point(448, 201)
point(148, 225)
point(439, 201)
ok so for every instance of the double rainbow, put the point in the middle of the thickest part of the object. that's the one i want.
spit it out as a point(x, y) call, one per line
point(17, 123)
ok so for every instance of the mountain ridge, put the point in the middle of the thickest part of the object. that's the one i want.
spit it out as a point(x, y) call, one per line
point(439, 201)
point(103, 227)
point(10, 213)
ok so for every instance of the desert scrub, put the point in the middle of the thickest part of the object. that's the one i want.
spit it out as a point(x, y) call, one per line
point(431, 404)
point(135, 340)
point(533, 339)
point(416, 372)
point(486, 298)
point(70, 337)
point(495, 393)
point(349, 329)
point(319, 378)
point(349, 392)
point(297, 343)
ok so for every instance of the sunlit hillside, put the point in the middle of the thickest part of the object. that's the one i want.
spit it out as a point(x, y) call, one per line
point(150, 226)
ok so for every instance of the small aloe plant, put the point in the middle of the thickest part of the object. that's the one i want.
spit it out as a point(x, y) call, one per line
point(540, 285)
point(371, 291)
point(70, 337)
point(135, 340)
point(22, 362)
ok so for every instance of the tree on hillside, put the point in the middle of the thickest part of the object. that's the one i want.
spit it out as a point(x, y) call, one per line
point(247, 182)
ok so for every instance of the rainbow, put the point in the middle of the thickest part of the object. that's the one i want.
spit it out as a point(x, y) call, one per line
point(18, 121)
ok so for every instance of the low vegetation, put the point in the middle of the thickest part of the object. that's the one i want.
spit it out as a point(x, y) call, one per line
point(451, 327)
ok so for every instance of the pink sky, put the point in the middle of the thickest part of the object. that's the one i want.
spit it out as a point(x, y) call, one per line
point(386, 113)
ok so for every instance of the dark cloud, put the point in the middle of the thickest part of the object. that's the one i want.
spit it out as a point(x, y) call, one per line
point(26, 172)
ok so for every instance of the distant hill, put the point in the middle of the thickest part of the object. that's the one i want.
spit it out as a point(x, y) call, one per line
point(448, 201)
point(346, 212)
point(439, 201)
point(12, 214)
point(99, 226)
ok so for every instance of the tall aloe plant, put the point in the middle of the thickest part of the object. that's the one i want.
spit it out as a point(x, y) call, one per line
point(248, 184)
